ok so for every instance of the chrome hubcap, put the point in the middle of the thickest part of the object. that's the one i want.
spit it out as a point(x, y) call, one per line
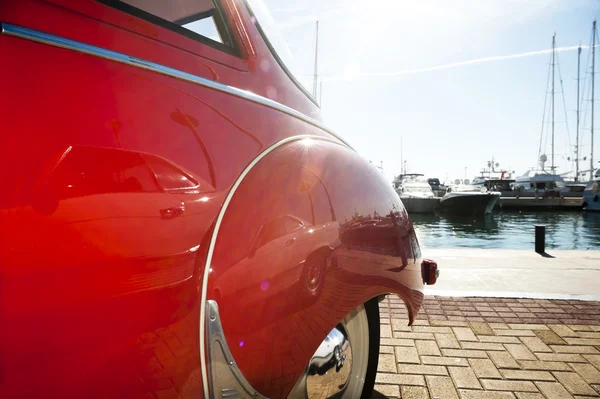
point(339, 366)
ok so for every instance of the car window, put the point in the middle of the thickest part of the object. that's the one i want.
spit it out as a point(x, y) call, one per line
point(197, 19)
point(271, 231)
point(291, 224)
point(277, 44)
point(168, 176)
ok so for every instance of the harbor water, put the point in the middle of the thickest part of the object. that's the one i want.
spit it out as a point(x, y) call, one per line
point(509, 230)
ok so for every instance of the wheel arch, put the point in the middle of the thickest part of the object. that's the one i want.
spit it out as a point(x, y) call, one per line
point(372, 250)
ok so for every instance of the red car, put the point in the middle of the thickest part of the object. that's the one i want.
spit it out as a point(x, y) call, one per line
point(175, 220)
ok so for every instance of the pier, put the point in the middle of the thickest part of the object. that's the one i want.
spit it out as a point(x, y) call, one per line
point(541, 204)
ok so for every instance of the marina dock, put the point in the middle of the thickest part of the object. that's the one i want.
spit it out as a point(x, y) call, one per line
point(508, 273)
point(542, 204)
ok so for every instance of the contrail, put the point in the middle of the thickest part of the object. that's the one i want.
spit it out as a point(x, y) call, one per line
point(451, 65)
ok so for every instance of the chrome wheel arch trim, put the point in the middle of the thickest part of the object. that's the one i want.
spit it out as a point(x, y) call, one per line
point(228, 382)
point(215, 233)
point(58, 41)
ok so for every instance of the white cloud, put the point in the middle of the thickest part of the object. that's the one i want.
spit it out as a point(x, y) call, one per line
point(358, 75)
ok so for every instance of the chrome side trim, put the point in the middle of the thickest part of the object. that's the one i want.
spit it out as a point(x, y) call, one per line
point(213, 241)
point(226, 379)
point(57, 41)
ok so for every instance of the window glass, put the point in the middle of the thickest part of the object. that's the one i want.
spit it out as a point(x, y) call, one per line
point(291, 224)
point(196, 17)
point(275, 40)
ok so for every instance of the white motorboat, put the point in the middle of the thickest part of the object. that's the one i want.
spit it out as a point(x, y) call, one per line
point(591, 194)
point(417, 196)
point(468, 200)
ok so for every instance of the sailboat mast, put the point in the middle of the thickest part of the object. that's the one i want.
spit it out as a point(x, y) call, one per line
point(316, 61)
point(553, 55)
point(593, 78)
point(321, 93)
point(401, 161)
point(577, 136)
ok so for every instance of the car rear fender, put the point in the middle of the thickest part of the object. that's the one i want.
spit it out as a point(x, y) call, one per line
point(271, 328)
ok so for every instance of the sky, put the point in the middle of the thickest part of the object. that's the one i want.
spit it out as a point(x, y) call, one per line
point(452, 83)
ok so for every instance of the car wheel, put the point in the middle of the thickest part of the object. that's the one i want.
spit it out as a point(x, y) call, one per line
point(354, 377)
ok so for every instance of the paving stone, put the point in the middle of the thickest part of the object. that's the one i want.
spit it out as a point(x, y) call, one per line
point(527, 375)
point(594, 359)
point(400, 325)
point(468, 394)
point(464, 377)
point(449, 323)
point(464, 334)
point(441, 387)
point(396, 342)
point(535, 344)
point(421, 369)
point(583, 341)
point(548, 366)
point(498, 326)
point(506, 385)
point(431, 329)
point(589, 373)
point(427, 348)
point(562, 330)
point(421, 323)
point(387, 363)
point(447, 341)
point(594, 335)
point(527, 326)
point(400, 379)
point(482, 346)
point(464, 353)
point(503, 360)
point(414, 393)
point(411, 335)
point(386, 349)
point(519, 352)
point(550, 337)
point(529, 395)
point(499, 340)
point(385, 331)
point(515, 333)
point(574, 383)
point(484, 368)
point(481, 328)
point(444, 361)
point(553, 390)
point(407, 354)
point(574, 349)
point(560, 357)
point(389, 391)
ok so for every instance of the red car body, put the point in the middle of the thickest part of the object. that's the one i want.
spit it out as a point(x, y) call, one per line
point(139, 168)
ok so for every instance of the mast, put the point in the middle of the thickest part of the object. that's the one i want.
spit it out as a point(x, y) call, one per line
point(577, 137)
point(321, 93)
point(553, 55)
point(593, 77)
point(401, 163)
point(316, 62)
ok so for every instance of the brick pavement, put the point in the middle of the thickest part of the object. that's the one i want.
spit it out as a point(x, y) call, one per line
point(490, 348)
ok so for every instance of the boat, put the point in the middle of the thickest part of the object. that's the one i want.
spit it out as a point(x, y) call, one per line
point(540, 182)
point(591, 194)
point(468, 200)
point(417, 195)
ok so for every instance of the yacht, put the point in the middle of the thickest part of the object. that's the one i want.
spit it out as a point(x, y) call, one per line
point(591, 194)
point(417, 195)
point(540, 182)
point(468, 200)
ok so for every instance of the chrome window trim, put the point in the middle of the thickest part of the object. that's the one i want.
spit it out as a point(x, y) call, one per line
point(57, 41)
point(215, 233)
